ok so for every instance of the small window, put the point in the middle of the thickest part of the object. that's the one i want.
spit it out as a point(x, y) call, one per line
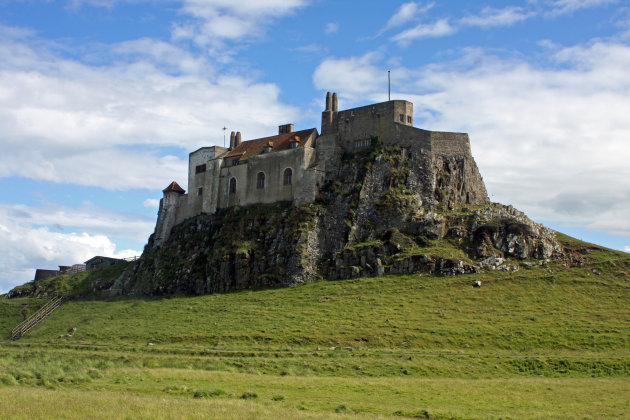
point(288, 174)
point(409, 120)
point(362, 144)
point(234, 162)
point(233, 186)
point(260, 180)
point(402, 118)
point(199, 191)
point(200, 168)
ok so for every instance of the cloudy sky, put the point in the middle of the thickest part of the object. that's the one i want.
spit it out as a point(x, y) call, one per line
point(102, 100)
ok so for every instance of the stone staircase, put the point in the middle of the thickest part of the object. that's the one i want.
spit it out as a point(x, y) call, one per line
point(24, 326)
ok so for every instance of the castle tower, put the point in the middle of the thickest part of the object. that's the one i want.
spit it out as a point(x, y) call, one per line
point(167, 214)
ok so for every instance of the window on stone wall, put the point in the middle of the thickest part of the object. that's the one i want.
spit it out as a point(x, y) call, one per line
point(260, 180)
point(199, 191)
point(402, 118)
point(234, 162)
point(288, 174)
point(233, 186)
point(200, 168)
point(409, 120)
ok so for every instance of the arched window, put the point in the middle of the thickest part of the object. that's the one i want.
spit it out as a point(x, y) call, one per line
point(260, 180)
point(288, 173)
point(233, 186)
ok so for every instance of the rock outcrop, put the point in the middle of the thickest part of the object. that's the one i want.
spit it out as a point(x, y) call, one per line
point(386, 210)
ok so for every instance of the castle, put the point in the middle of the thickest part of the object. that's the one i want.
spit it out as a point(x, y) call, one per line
point(293, 165)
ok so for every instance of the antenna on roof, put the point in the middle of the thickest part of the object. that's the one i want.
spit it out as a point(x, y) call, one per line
point(224, 128)
point(389, 86)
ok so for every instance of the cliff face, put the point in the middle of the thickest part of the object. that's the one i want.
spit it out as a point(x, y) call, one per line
point(236, 248)
point(387, 210)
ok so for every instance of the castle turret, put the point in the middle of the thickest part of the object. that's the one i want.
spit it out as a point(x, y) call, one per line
point(167, 214)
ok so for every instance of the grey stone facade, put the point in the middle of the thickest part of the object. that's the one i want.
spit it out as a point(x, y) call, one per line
point(292, 166)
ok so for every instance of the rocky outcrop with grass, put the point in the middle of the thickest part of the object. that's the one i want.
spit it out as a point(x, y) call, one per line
point(385, 210)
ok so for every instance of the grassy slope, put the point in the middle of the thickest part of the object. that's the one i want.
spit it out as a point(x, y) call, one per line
point(80, 284)
point(531, 344)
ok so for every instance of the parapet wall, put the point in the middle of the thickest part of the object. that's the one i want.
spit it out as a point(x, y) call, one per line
point(356, 125)
point(451, 144)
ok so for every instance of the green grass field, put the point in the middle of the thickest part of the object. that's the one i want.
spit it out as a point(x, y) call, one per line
point(544, 342)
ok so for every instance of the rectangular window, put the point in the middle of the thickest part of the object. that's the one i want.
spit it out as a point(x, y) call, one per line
point(234, 162)
point(200, 168)
point(402, 118)
point(199, 191)
point(362, 144)
point(409, 119)
point(260, 180)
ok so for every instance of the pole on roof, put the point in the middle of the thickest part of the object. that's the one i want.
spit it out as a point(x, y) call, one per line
point(389, 86)
point(224, 128)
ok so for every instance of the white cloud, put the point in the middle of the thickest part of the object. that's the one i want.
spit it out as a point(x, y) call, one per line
point(436, 29)
point(64, 121)
point(352, 77)
point(331, 28)
point(407, 12)
point(96, 220)
point(166, 56)
point(626, 248)
point(490, 17)
point(26, 243)
point(151, 203)
point(217, 20)
point(560, 7)
point(551, 141)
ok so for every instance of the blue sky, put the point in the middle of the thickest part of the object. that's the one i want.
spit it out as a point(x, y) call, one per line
point(102, 100)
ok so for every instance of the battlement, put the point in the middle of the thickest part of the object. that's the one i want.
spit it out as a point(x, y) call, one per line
point(357, 125)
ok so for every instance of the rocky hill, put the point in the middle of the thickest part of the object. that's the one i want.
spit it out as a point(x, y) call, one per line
point(385, 210)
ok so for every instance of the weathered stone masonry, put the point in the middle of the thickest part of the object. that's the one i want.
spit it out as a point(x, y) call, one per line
point(370, 195)
point(256, 171)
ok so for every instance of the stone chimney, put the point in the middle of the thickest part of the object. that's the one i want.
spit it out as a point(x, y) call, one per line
point(329, 115)
point(286, 128)
point(237, 139)
point(232, 138)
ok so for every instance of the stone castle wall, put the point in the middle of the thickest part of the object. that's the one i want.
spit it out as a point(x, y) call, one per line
point(273, 166)
point(356, 126)
point(453, 144)
point(319, 160)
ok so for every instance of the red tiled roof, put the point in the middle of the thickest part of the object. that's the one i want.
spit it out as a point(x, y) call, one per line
point(279, 142)
point(174, 187)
